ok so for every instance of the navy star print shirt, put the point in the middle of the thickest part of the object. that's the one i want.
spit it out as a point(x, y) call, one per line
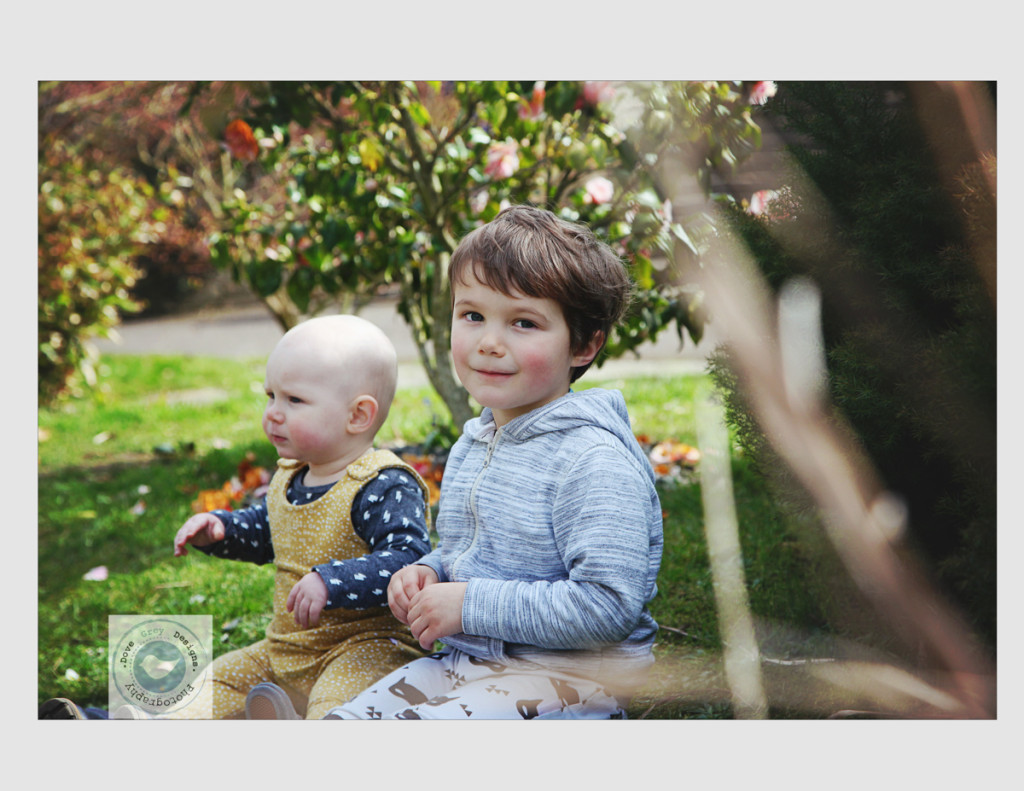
point(387, 513)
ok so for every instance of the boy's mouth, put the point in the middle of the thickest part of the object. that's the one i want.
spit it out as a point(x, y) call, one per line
point(497, 374)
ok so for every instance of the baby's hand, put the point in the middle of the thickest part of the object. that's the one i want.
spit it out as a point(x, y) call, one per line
point(307, 599)
point(405, 584)
point(201, 530)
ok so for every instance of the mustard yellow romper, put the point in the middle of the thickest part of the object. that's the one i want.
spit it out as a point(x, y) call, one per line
point(323, 666)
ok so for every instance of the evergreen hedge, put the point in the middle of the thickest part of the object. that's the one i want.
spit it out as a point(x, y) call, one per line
point(897, 234)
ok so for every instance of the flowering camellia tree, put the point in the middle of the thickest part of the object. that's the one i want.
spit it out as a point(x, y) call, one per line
point(346, 187)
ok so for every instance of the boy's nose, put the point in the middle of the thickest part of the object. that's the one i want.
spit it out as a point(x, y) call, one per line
point(490, 343)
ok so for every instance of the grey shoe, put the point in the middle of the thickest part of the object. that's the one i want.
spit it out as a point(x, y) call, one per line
point(268, 701)
point(129, 711)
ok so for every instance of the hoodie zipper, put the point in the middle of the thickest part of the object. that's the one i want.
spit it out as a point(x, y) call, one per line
point(472, 499)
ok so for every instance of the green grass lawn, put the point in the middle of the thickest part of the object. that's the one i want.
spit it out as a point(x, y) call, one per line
point(119, 470)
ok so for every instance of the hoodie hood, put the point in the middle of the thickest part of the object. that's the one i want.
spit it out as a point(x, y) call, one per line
point(596, 407)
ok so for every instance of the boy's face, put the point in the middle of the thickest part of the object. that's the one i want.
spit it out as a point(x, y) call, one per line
point(511, 352)
point(306, 416)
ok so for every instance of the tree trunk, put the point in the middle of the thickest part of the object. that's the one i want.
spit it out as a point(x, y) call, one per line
point(429, 317)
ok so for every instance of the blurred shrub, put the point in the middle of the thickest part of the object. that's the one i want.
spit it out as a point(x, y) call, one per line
point(92, 220)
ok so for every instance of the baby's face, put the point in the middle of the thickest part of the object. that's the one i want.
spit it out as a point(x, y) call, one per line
point(307, 410)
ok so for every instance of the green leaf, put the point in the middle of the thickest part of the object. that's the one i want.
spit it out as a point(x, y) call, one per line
point(300, 287)
point(643, 271)
point(680, 233)
point(419, 114)
point(264, 275)
point(370, 154)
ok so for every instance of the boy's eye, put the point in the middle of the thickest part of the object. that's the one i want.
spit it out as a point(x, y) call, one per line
point(525, 324)
point(472, 315)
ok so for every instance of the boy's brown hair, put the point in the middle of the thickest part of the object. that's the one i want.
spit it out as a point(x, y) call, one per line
point(531, 251)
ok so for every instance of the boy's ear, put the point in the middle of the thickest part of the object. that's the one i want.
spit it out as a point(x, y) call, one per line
point(589, 352)
point(362, 414)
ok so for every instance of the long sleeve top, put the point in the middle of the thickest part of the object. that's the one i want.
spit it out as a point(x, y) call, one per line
point(388, 513)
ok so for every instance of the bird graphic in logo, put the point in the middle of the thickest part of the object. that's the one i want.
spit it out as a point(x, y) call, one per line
point(159, 666)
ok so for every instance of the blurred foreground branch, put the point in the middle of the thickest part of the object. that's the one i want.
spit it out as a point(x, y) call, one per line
point(777, 356)
point(863, 521)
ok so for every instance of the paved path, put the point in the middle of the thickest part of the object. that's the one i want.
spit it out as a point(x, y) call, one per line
point(251, 331)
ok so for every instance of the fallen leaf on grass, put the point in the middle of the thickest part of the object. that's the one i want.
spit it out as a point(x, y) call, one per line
point(670, 451)
point(248, 486)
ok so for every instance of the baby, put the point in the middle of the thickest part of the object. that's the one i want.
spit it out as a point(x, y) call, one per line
point(338, 520)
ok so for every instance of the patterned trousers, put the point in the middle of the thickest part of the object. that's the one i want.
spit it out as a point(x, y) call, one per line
point(453, 685)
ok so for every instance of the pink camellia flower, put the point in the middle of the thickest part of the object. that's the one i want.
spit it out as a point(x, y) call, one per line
point(502, 160)
point(477, 202)
point(598, 190)
point(762, 91)
point(759, 201)
point(533, 109)
point(597, 91)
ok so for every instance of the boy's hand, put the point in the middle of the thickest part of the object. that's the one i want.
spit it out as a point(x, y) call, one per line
point(404, 585)
point(201, 530)
point(307, 599)
point(436, 612)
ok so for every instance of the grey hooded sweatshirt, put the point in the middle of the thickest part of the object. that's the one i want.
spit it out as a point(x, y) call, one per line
point(554, 522)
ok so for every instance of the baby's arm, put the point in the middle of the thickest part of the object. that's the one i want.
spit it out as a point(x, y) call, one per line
point(238, 535)
point(389, 513)
point(200, 530)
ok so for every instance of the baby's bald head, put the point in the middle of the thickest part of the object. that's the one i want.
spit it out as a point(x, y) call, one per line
point(349, 352)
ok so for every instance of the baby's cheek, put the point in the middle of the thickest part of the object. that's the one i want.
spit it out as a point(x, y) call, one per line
point(306, 436)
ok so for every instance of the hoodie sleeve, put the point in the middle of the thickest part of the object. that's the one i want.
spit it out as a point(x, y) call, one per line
point(604, 521)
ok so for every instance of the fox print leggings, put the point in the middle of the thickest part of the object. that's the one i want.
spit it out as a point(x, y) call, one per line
point(453, 685)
